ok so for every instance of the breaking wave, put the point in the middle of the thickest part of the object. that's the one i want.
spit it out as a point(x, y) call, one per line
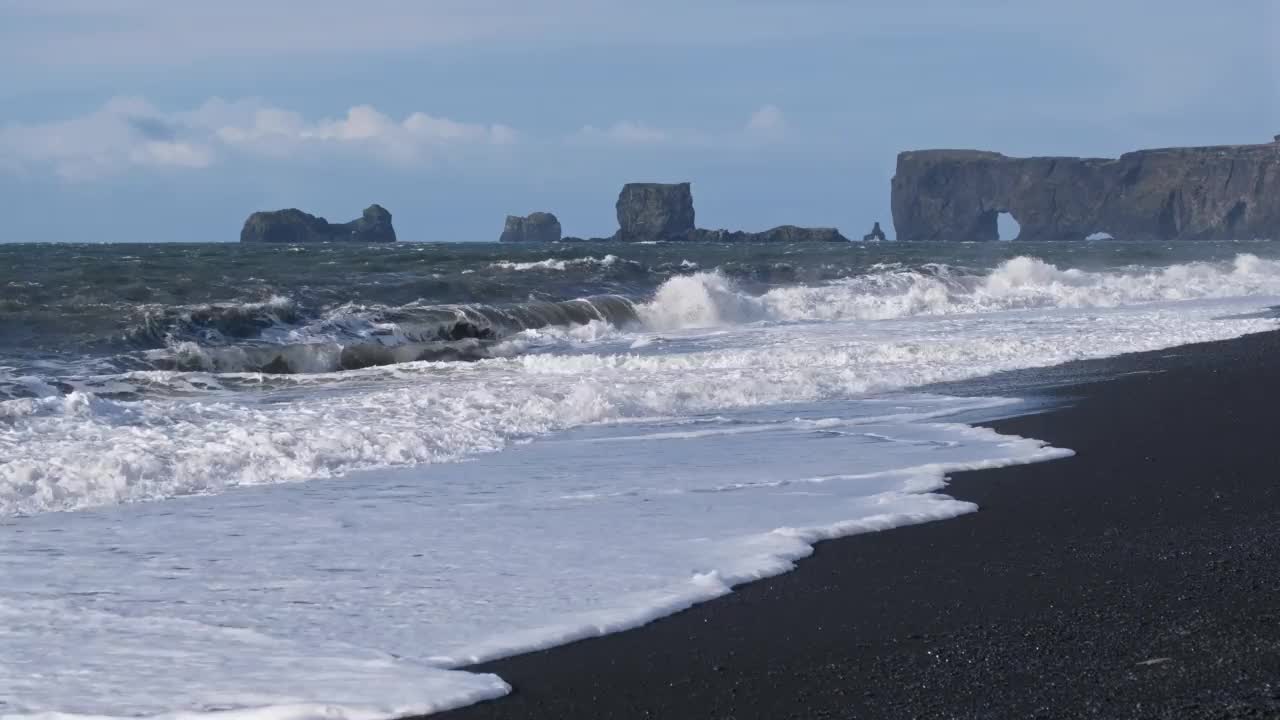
point(268, 337)
point(72, 451)
point(279, 336)
point(554, 264)
point(726, 377)
point(712, 299)
point(273, 337)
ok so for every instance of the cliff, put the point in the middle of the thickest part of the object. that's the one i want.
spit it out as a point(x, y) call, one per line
point(296, 226)
point(1207, 193)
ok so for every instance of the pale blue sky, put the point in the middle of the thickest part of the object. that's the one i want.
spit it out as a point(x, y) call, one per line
point(156, 120)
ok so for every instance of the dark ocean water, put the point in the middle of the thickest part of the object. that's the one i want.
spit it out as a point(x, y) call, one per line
point(230, 457)
point(71, 310)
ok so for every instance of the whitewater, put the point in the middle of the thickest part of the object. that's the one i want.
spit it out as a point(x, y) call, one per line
point(284, 499)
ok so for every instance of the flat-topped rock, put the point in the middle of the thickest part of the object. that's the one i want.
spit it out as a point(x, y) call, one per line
point(782, 233)
point(535, 227)
point(295, 226)
point(654, 211)
point(792, 233)
point(1226, 192)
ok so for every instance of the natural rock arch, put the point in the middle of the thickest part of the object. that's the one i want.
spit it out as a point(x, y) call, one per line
point(1228, 192)
point(1007, 226)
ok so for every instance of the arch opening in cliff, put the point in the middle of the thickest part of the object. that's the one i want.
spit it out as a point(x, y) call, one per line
point(1007, 226)
point(1199, 193)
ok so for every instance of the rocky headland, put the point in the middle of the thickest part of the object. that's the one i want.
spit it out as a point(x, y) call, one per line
point(1229, 192)
point(295, 226)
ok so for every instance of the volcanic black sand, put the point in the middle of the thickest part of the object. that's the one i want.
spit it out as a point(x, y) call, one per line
point(1140, 578)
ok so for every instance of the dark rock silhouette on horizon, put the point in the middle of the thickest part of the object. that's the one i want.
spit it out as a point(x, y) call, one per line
point(876, 234)
point(535, 227)
point(1229, 192)
point(654, 211)
point(651, 212)
point(295, 226)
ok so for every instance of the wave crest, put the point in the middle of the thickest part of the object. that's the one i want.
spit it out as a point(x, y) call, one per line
point(709, 299)
point(260, 337)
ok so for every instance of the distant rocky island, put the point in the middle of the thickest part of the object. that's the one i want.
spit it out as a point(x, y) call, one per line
point(536, 227)
point(296, 226)
point(659, 212)
point(1229, 192)
point(647, 212)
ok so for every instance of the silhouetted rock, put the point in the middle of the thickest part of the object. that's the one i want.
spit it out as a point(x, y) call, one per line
point(295, 226)
point(649, 212)
point(536, 227)
point(715, 236)
point(654, 211)
point(876, 234)
point(782, 233)
point(791, 233)
point(1206, 193)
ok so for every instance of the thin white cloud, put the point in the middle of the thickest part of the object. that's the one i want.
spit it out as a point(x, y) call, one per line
point(124, 133)
point(768, 120)
point(626, 132)
point(129, 133)
point(767, 124)
point(413, 140)
point(167, 153)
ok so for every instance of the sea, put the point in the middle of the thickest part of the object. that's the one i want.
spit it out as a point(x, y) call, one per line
point(291, 482)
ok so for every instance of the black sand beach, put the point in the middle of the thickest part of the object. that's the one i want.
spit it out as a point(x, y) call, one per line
point(1139, 579)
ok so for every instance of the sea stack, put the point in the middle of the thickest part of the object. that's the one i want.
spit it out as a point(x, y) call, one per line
point(295, 226)
point(535, 227)
point(650, 212)
point(1229, 192)
point(654, 211)
point(876, 234)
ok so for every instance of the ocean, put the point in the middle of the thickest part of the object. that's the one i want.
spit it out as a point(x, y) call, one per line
point(279, 482)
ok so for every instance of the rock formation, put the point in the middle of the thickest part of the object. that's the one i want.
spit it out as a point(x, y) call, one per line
point(1207, 193)
point(295, 226)
point(536, 227)
point(876, 234)
point(782, 233)
point(655, 211)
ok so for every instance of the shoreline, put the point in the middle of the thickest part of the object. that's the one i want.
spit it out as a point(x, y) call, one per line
point(1130, 580)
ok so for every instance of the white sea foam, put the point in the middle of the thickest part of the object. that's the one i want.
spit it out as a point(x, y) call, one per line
point(555, 264)
point(354, 599)
point(81, 450)
point(1023, 283)
point(645, 469)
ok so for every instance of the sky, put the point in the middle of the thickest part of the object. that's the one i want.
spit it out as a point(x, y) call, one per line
point(172, 120)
